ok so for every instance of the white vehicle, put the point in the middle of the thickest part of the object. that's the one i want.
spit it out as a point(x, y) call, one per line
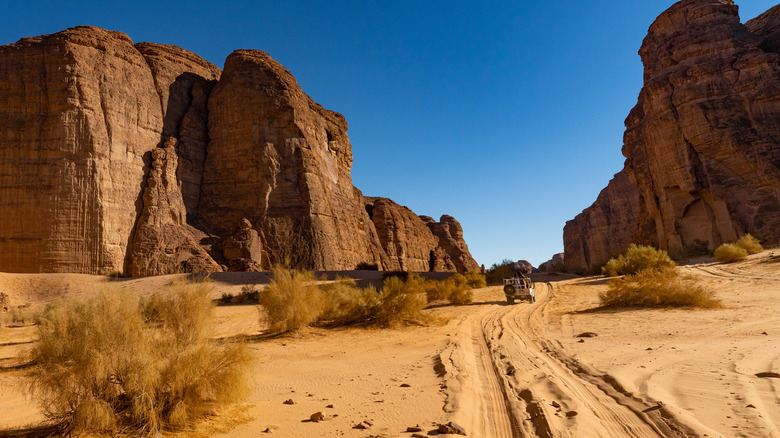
point(521, 288)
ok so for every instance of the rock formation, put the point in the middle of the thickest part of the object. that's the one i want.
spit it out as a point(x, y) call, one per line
point(406, 238)
point(604, 229)
point(143, 158)
point(556, 263)
point(701, 144)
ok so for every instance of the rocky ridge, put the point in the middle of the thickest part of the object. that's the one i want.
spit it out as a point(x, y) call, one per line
point(701, 145)
point(143, 158)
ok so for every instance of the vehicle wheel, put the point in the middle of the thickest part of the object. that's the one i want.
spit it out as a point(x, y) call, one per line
point(509, 289)
point(510, 300)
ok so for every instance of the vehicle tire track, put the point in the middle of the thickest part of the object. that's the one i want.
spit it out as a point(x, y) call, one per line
point(526, 386)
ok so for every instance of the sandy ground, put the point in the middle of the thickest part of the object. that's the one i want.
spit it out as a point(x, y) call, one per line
point(497, 370)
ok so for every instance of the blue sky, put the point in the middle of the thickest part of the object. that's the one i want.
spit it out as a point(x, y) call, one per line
point(507, 115)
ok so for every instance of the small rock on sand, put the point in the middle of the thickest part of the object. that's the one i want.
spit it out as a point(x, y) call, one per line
point(317, 417)
point(289, 401)
point(414, 429)
point(452, 428)
point(587, 335)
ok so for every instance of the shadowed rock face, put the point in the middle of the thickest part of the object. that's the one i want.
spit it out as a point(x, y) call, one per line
point(144, 157)
point(701, 144)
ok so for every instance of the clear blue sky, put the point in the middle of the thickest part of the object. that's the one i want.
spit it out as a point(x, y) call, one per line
point(507, 115)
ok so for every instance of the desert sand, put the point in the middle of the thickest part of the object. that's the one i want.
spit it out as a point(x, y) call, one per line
point(559, 367)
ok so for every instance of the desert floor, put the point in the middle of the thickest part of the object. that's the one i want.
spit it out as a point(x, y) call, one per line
point(497, 370)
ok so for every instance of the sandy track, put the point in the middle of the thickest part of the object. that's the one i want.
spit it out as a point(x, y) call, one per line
point(505, 379)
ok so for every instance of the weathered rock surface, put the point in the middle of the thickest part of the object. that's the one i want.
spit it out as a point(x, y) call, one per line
point(450, 235)
point(144, 157)
point(282, 161)
point(604, 229)
point(163, 242)
point(557, 261)
point(78, 112)
point(406, 238)
point(702, 145)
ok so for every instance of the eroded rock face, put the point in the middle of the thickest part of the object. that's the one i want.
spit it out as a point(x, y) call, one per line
point(163, 243)
point(701, 144)
point(78, 111)
point(556, 262)
point(280, 160)
point(143, 158)
point(406, 239)
point(450, 235)
point(606, 228)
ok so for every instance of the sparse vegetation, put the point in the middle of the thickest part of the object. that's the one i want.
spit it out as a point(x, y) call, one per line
point(697, 248)
point(730, 253)
point(403, 275)
point(498, 272)
point(111, 273)
point(475, 280)
point(249, 295)
point(750, 244)
point(292, 300)
point(657, 288)
point(365, 266)
point(638, 258)
point(348, 304)
point(402, 301)
point(110, 364)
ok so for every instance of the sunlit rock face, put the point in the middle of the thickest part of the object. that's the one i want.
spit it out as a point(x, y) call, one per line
point(142, 158)
point(702, 145)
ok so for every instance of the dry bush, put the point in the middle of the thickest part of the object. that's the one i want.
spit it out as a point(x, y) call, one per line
point(730, 253)
point(657, 288)
point(750, 244)
point(402, 301)
point(499, 271)
point(18, 316)
point(697, 248)
point(455, 289)
point(345, 303)
point(292, 300)
point(109, 363)
point(638, 258)
point(475, 280)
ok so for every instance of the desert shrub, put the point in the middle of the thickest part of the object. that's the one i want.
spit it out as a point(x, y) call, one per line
point(461, 292)
point(403, 275)
point(402, 301)
point(292, 300)
point(111, 273)
point(638, 258)
point(365, 266)
point(345, 303)
point(475, 280)
point(20, 315)
point(657, 288)
point(730, 253)
point(697, 248)
point(498, 272)
point(750, 244)
point(108, 363)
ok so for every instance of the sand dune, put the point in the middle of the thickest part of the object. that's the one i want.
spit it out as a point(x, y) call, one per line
point(497, 370)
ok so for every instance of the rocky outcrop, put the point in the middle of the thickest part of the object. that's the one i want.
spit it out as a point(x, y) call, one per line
point(144, 157)
point(163, 242)
point(556, 263)
point(606, 228)
point(701, 144)
point(406, 239)
point(78, 111)
point(280, 160)
point(450, 235)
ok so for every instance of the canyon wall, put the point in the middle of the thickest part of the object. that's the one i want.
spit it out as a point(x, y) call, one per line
point(702, 145)
point(147, 159)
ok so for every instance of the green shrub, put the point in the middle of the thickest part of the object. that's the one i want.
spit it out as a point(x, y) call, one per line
point(345, 303)
point(638, 258)
point(730, 253)
point(402, 301)
point(292, 300)
point(475, 280)
point(750, 244)
point(108, 364)
point(498, 272)
point(657, 288)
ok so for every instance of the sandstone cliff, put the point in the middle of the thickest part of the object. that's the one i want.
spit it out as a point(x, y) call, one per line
point(701, 144)
point(144, 157)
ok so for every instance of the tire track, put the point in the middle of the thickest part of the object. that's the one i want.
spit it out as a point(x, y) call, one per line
point(521, 385)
